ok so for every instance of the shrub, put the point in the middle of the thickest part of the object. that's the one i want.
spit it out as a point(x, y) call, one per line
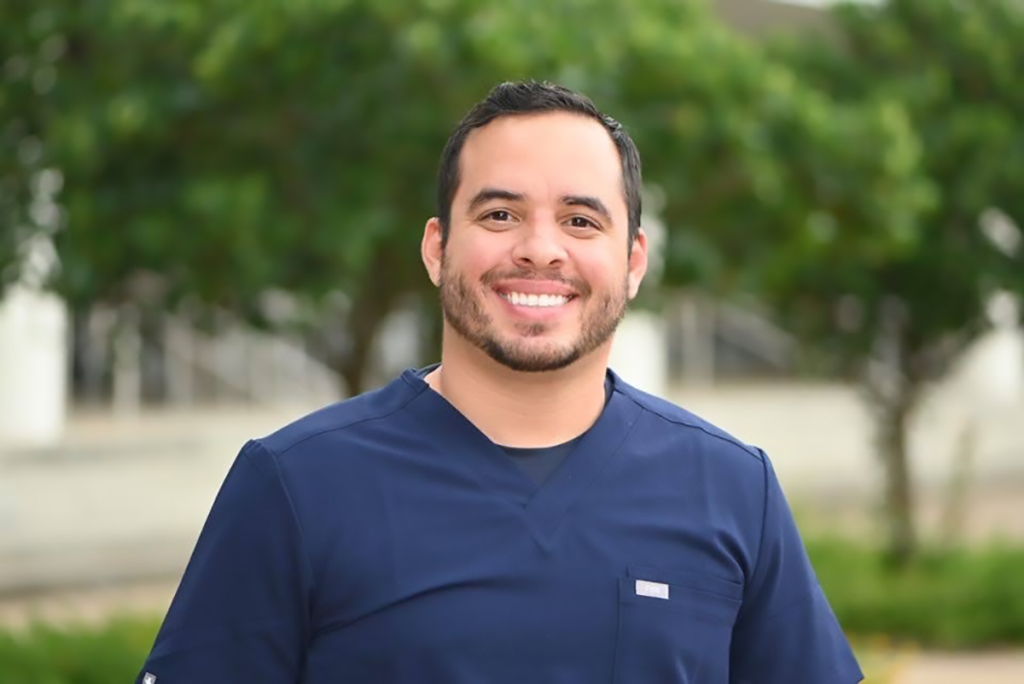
point(46, 654)
point(946, 599)
point(952, 598)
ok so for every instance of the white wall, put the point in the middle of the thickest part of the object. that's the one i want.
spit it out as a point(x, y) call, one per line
point(33, 369)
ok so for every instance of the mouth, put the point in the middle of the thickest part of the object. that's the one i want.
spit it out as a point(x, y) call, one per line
point(536, 301)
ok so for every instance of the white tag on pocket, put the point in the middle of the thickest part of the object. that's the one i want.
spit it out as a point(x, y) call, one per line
point(652, 589)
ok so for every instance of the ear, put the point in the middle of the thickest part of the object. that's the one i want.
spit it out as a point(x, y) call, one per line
point(637, 263)
point(431, 250)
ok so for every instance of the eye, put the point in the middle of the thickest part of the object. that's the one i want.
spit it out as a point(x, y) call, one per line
point(499, 215)
point(583, 222)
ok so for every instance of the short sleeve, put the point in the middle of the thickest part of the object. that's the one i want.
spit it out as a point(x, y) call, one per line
point(786, 632)
point(241, 612)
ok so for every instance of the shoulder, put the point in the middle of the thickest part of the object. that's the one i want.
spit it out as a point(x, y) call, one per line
point(668, 422)
point(343, 417)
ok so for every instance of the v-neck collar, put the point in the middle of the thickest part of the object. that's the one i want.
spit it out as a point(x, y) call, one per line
point(543, 507)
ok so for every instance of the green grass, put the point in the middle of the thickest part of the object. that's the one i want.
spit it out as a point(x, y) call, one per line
point(949, 599)
point(113, 652)
point(956, 599)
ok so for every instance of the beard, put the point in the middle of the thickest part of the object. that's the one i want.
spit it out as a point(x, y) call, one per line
point(463, 310)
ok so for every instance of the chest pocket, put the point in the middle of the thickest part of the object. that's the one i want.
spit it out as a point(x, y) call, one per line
point(674, 627)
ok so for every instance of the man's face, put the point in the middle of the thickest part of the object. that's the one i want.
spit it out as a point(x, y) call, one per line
point(536, 271)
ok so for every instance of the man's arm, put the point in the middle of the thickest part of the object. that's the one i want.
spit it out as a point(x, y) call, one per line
point(241, 613)
point(786, 632)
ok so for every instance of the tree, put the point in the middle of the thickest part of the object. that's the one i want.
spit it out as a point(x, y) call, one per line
point(26, 66)
point(900, 320)
point(215, 151)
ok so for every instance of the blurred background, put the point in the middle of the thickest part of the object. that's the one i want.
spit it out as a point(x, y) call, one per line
point(209, 224)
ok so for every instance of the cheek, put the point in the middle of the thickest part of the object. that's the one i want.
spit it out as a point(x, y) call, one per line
point(472, 259)
point(602, 271)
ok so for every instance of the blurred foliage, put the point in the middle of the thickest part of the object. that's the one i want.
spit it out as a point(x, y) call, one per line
point(955, 598)
point(214, 151)
point(20, 146)
point(947, 599)
point(763, 177)
point(950, 69)
point(46, 654)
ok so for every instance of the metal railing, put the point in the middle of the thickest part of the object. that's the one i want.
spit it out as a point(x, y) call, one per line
point(231, 363)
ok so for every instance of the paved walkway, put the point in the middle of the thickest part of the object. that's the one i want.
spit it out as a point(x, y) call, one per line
point(985, 668)
point(120, 498)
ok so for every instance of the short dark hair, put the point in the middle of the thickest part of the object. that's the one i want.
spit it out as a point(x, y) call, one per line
point(531, 97)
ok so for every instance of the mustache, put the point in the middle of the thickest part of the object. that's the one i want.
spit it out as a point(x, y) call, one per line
point(552, 276)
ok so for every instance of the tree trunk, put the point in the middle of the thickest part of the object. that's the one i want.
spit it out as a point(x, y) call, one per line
point(898, 504)
point(364, 320)
point(954, 510)
point(433, 328)
point(384, 283)
point(375, 300)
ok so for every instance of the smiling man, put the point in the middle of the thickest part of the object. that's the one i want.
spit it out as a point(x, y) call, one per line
point(516, 513)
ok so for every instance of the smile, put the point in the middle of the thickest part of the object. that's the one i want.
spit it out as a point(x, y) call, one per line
point(535, 300)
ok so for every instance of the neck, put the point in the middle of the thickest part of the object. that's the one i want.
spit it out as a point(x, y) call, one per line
point(520, 409)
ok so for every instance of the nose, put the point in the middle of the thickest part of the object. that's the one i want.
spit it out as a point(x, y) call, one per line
point(539, 245)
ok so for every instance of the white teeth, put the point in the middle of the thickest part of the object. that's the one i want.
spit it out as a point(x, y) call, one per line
point(544, 300)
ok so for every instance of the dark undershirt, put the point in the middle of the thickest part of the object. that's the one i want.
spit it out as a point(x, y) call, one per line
point(540, 462)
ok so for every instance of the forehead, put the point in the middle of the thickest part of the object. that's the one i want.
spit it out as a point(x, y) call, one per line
point(542, 156)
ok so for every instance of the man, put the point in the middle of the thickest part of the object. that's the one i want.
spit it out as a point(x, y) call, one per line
point(517, 513)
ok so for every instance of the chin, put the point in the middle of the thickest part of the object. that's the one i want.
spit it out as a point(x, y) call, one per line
point(533, 358)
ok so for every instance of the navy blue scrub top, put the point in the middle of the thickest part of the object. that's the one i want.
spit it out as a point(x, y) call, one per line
point(385, 539)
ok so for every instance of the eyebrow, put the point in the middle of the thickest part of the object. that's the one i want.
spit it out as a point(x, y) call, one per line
point(592, 203)
point(489, 194)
